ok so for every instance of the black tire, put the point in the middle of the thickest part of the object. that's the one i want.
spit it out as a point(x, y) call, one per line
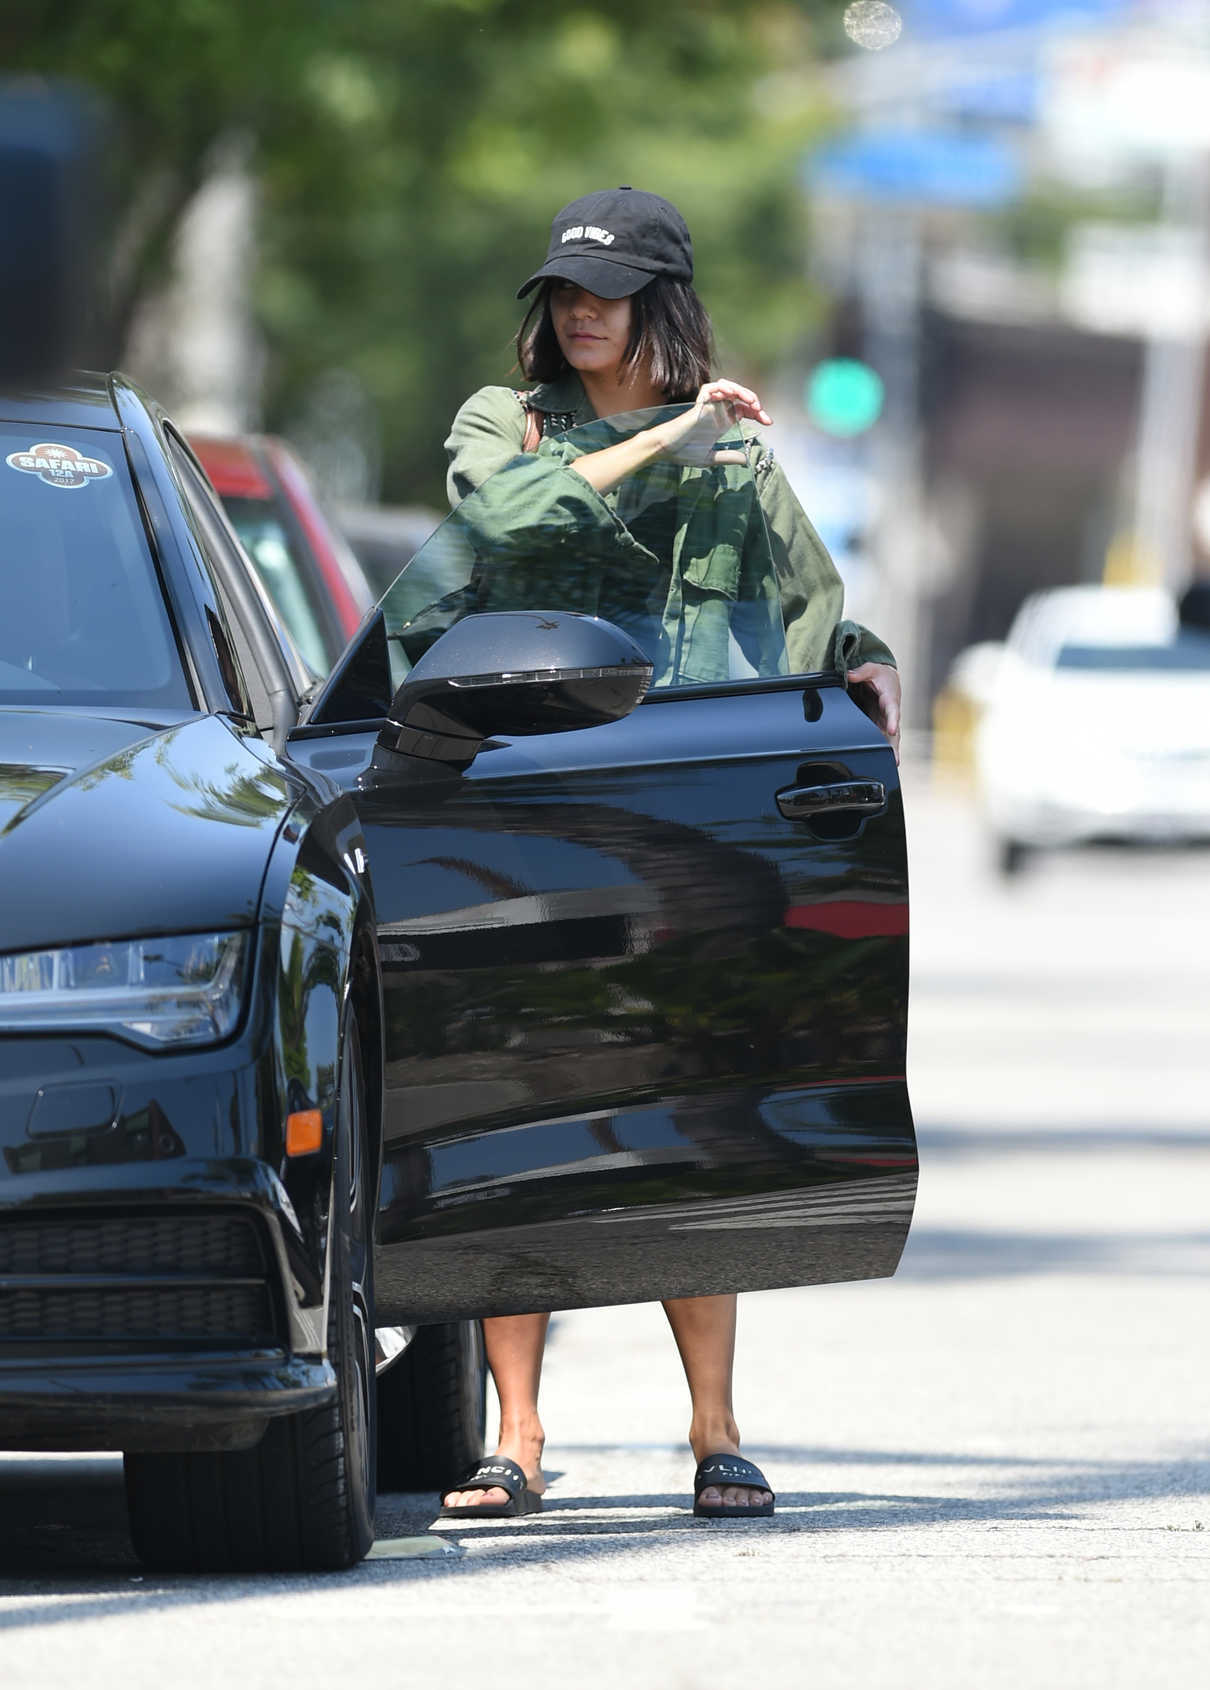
point(432, 1406)
point(303, 1498)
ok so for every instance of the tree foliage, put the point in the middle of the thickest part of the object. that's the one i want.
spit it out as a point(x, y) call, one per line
point(412, 152)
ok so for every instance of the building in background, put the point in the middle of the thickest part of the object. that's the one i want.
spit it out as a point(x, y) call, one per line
point(1013, 222)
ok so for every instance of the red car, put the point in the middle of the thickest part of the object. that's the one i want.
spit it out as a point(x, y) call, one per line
point(308, 569)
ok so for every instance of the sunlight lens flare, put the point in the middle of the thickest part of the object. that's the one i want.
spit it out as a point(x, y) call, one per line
point(872, 24)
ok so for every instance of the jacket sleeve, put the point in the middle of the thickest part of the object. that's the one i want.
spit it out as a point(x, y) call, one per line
point(818, 637)
point(488, 430)
point(540, 532)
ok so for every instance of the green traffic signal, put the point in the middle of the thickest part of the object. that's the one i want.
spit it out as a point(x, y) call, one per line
point(844, 396)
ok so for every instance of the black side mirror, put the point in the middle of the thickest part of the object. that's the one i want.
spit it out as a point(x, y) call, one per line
point(514, 672)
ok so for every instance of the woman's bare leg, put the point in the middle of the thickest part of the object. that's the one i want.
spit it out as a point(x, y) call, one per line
point(704, 1329)
point(514, 1344)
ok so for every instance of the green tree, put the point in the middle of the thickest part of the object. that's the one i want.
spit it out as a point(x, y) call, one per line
point(412, 152)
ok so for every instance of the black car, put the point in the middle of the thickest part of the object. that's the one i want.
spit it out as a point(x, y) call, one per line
point(484, 978)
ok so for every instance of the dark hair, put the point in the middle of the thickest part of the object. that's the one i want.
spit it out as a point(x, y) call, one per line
point(669, 329)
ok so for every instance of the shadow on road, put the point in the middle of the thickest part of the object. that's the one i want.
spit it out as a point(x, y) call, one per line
point(65, 1529)
point(937, 1253)
point(949, 1141)
point(982, 1252)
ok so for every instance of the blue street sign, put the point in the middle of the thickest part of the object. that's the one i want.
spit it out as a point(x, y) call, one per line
point(948, 18)
point(1009, 96)
point(928, 166)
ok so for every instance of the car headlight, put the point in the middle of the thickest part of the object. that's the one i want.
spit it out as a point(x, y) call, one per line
point(184, 990)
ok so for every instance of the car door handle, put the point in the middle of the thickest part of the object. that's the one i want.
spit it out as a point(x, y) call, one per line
point(858, 797)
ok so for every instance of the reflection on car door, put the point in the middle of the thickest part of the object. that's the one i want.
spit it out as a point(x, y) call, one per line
point(645, 991)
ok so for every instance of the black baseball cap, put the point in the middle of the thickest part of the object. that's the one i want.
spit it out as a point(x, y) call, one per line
point(613, 243)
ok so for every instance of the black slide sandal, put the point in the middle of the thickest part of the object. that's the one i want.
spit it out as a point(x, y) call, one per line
point(720, 1471)
point(497, 1474)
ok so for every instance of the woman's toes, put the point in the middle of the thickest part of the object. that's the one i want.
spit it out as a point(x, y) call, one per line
point(472, 1499)
point(711, 1497)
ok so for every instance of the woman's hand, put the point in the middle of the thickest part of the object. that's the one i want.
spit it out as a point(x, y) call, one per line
point(882, 695)
point(719, 406)
point(688, 438)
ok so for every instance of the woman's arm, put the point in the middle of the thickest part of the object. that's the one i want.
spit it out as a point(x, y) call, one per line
point(689, 437)
point(488, 430)
point(536, 511)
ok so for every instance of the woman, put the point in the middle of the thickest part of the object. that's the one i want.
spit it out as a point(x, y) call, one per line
point(617, 327)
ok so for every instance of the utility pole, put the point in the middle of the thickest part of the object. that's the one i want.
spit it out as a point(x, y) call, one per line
point(1173, 380)
point(889, 276)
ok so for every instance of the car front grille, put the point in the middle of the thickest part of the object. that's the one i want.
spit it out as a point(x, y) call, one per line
point(203, 1243)
point(197, 1280)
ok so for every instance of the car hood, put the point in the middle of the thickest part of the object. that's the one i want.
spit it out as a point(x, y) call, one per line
point(112, 829)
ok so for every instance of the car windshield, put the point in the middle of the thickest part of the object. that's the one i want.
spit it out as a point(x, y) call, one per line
point(82, 615)
point(677, 555)
point(1187, 654)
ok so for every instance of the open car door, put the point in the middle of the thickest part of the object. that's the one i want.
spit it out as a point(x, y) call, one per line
point(645, 983)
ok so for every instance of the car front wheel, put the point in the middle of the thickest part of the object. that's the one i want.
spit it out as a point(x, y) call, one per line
point(303, 1498)
point(431, 1408)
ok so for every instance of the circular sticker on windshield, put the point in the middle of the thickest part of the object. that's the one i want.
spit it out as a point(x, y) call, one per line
point(58, 466)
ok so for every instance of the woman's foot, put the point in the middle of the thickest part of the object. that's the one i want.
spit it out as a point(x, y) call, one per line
point(724, 1440)
point(525, 1448)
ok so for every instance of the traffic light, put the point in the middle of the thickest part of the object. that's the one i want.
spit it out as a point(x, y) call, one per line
point(844, 396)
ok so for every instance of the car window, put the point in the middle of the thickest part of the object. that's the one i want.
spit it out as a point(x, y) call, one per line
point(231, 640)
point(273, 671)
point(82, 612)
point(283, 576)
point(1190, 654)
point(678, 556)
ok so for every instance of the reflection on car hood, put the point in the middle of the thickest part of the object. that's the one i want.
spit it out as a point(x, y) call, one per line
point(111, 829)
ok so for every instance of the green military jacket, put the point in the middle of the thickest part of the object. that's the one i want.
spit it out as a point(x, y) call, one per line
point(711, 567)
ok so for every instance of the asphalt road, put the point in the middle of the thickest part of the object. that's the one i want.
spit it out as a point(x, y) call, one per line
point(992, 1470)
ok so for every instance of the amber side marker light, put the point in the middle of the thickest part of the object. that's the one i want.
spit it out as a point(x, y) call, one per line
point(304, 1132)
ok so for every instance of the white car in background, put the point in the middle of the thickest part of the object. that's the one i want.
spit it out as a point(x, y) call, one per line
point(1097, 726)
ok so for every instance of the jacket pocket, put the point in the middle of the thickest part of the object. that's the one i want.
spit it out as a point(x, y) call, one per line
point(716, 572)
